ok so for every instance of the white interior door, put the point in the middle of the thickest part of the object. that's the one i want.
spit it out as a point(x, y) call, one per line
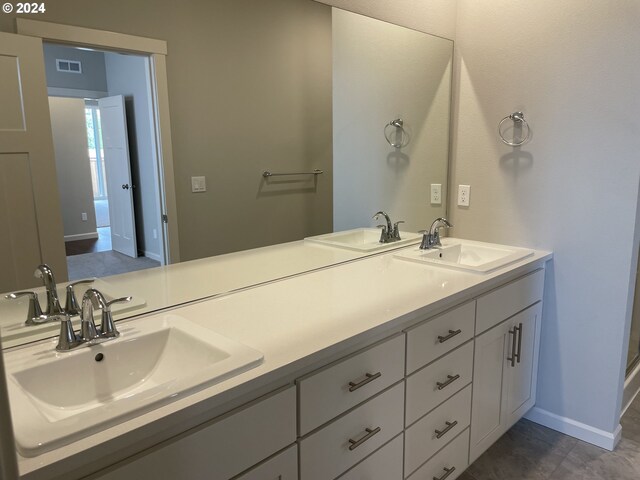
point(30, 213)
point(118, 173)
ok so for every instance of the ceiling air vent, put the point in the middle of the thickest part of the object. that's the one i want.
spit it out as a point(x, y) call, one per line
point(68, 66)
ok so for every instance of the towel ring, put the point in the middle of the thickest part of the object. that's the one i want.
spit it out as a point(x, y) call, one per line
point(517, 117)
point(404, 139)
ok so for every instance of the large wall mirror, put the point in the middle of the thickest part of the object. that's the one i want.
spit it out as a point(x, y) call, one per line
point(284, 86)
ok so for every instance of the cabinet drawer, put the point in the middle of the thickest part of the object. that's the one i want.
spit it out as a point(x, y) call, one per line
point(429, 387)
point(504, 302)
point(330, 451)
point(223, 448)
point(343, 385)
point(385, 464)
point(440, 335)
point(455, 455)
point(283, 466)
point(449, 419)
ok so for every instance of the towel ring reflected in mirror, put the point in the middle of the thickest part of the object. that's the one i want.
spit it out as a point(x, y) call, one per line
point(518, 119)
point(398, 123)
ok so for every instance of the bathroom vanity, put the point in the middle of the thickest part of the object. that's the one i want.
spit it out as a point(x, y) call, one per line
point(378, 368)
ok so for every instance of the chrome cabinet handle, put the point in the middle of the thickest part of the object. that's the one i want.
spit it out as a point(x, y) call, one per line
point(452, 333)
point(370, 377)
point(449, 381)
point(519, 343)
point(443, 432)
point(514, 346)
point(447, 472)
point(370, 433)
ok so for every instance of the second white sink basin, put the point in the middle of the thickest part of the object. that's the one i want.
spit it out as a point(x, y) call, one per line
point(466, 255)
point(57, 398)
point(363, 240)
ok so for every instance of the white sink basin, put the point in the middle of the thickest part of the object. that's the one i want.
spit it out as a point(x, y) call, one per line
point(57, 398)
point(363, 240)
point(466, 255)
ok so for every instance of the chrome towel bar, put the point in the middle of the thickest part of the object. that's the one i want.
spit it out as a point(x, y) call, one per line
point(267, 173)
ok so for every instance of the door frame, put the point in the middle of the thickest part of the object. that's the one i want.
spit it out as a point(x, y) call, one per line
point(156, 50)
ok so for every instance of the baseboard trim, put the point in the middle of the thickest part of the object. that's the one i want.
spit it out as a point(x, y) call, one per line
point(80, 236)
point(153, 256)
point(579, 430)
point(631, 388)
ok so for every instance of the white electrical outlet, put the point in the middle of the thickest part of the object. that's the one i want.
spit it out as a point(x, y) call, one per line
point(464, 194)
point(198, 184)
point(84, 217)
point(436, 194)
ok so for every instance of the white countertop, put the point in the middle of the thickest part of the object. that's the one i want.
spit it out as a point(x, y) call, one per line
point(180, 283)
point(295, 322)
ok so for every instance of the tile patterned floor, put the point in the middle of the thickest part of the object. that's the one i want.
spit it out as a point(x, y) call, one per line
point(532, 452)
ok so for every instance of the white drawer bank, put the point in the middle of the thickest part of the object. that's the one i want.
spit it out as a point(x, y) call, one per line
point(421, 404)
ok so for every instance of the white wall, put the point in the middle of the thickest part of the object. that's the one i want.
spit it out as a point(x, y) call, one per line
point(72, 167)
point(437, 17)
point(129, 75)
point(573, 189)
point(382, 72)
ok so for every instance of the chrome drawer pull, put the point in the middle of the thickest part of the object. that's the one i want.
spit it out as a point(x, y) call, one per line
point(370, 433)
point(519, 343)
point(353, 386)
point(448, 471)
point(514, 344)
point(443, 432)
point(452, 333)
point(449, 381)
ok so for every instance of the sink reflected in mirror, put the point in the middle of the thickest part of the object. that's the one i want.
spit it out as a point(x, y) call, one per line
point(57, 398)
point(467, 255)
point(363, 240)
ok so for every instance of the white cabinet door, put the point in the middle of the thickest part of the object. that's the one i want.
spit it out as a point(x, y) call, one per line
point(505, 365)
point(521, 381)
point(487, 406)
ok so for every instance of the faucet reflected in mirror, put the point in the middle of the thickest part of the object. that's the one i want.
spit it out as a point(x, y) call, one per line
point(336, 130)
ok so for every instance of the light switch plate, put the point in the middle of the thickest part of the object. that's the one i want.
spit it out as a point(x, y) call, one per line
point(198, 184)
point(464, 194)
point(436, 194)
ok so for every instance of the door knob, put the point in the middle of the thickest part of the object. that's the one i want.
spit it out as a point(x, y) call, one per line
point(125, 186)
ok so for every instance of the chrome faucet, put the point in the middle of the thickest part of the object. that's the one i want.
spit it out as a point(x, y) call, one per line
point(390, 233)
point(53, 303)
point(431, 237)
point(92, 299)
point(89, 334)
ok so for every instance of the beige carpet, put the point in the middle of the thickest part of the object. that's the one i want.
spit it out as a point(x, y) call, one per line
point(103, 264)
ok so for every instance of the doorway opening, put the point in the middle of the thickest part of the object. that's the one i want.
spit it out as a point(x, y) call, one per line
point(102, 118)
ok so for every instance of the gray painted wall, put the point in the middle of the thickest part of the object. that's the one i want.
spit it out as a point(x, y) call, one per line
point(381, 72)
point(573, 189)
point(72, 165)
point(93, 76)
point(128, 75)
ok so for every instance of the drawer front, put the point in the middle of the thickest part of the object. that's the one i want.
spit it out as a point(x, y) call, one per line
point(331, 451)
point(455, 455)
point(283, 466)
point(385, 464)
point(222, 449)
point(429, 387)
point(334, 390)
point(504, 302)
point(446, 422)
point(440, 335)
